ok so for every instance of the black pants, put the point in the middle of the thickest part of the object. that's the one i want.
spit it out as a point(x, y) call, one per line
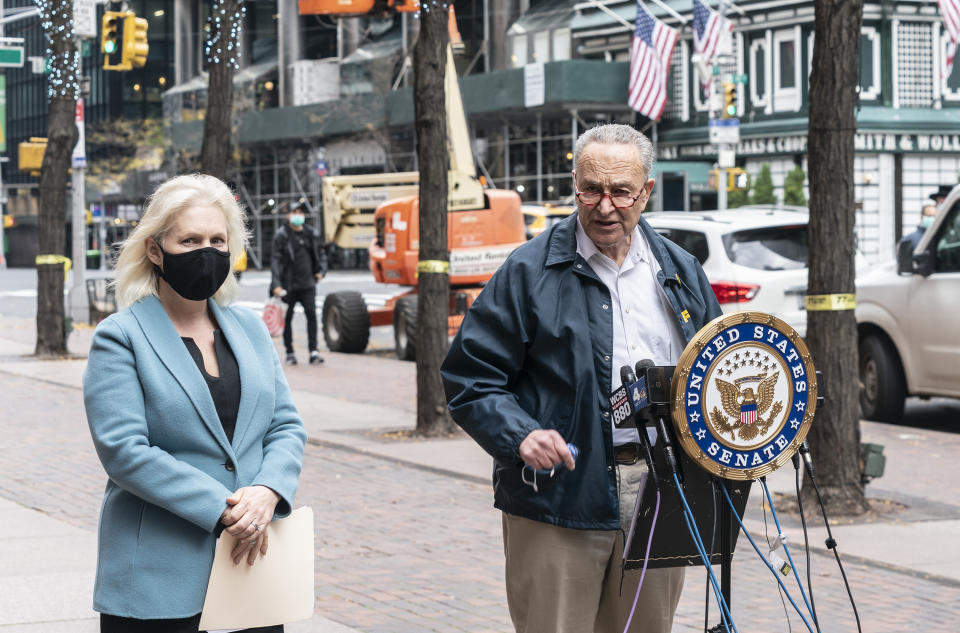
point(308, 299)
point(116, 624)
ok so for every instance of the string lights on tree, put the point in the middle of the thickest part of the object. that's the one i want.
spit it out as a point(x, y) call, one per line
point(426, 6)
point(56, 18)
point(223, 42)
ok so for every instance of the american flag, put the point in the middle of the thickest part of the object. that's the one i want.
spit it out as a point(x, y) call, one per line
point(708, 26)
point(951, 21)
point(653, 43)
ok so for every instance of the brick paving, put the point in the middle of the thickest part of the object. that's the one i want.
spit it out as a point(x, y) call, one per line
point(403, 550)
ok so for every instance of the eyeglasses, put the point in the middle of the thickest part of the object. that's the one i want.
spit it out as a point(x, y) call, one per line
point(619, 200)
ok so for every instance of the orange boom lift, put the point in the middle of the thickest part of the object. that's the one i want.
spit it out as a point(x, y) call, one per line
point(484, 225)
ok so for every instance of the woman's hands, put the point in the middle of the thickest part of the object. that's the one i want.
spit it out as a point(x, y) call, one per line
point(248, 512)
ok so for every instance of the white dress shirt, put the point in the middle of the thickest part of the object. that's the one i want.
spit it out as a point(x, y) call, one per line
point(644, 324)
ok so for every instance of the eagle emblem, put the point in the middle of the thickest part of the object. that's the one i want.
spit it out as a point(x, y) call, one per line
point(746, 407)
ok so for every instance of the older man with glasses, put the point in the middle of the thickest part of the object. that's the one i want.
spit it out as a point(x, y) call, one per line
point(529, 374)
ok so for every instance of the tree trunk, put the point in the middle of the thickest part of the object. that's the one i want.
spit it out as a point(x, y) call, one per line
point(429, 63)
point(223, 52)
point(832, 334)
point(62, 135)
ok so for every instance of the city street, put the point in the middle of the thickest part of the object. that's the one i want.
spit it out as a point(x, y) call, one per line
point(18, 296)
point(407, 539)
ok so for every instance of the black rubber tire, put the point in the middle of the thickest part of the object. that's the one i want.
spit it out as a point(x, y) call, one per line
point(882, 386)
point(405, 327)
point(346, 322)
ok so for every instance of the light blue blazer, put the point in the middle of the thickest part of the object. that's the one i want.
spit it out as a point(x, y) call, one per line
point(170, 466)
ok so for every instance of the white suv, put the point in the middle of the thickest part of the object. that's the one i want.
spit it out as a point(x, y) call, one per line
point(907, 321)
point(754, 256)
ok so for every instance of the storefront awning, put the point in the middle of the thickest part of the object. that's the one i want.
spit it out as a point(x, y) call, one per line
point(589, 19)
point(553, 14)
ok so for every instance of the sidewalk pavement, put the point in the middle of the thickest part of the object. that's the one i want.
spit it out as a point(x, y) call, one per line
point(350, 410)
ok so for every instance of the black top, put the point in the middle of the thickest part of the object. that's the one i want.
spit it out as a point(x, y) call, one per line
point(302, 262)
point(224, 389)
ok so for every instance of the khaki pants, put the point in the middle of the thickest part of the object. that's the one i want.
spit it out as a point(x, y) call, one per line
point(561, 580)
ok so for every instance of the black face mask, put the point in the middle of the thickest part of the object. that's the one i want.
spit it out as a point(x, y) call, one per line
point(196, 274)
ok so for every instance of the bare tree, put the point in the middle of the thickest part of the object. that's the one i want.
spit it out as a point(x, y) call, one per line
point(222, 54)
point(429, 64)
point(57, 21)
point(832, 333)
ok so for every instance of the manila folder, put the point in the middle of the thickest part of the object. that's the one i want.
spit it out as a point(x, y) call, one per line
point(277, 589)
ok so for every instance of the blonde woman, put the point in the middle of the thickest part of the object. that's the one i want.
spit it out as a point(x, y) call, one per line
point(189, 411)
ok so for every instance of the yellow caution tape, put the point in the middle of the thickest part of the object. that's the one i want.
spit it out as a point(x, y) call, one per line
point(846, 301)
point(433, 266)
point(44, 260)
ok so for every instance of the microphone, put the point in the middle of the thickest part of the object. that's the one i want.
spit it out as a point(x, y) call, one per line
point(657, 396)
point(805, 453)
point(620, 405)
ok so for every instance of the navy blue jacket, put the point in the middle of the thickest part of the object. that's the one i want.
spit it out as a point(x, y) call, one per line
point(535, 351)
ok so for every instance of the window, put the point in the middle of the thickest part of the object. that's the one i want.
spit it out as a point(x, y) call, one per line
point(677, 84)
point(775, 248)
point(950, 86)
point(541, 47)
point(518, 50)
point(786, 70)
point(787, 59)
point(758, 75)
point(694, 242)
point(561, 44)
point(913, 75)
point(869, 63)
point(947, 243)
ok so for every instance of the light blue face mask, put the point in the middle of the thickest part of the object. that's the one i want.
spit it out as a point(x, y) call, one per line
point(297, 220)
point(927, 221)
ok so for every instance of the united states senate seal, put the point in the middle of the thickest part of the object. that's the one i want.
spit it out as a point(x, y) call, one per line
point(743, 395)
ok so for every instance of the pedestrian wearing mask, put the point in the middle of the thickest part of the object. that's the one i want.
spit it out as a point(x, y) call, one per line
point(298, 262)
point(927, 216)
point(189, 411)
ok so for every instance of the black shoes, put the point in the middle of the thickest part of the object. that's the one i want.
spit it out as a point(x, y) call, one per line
point(315, 358)
point(291, 359)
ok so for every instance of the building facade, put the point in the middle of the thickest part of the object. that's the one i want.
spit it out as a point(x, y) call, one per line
point(319, 95)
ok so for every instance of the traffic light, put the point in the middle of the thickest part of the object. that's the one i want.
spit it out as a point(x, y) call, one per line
point(135, 47)
point(729, 100)
point(713, 179)
point(111, 40)
point(30, 154)
point(737, 179)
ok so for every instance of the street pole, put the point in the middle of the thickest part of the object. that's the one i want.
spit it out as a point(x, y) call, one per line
point(3, 159)
point(3, 202)
point(79, 305)
point(722, 185)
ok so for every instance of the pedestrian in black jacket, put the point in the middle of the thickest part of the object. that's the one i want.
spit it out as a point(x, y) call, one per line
point(298, 262)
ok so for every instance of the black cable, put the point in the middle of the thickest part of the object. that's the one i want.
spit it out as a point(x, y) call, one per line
point(766, 537)
point(713, 542)
point(806, 541)
point(831, 543)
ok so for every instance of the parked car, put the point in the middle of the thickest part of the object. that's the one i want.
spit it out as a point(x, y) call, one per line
point(754, 256)
point(906, 320)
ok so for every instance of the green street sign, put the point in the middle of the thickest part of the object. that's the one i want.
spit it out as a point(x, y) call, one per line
point(11, 57)
point(740, 79)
